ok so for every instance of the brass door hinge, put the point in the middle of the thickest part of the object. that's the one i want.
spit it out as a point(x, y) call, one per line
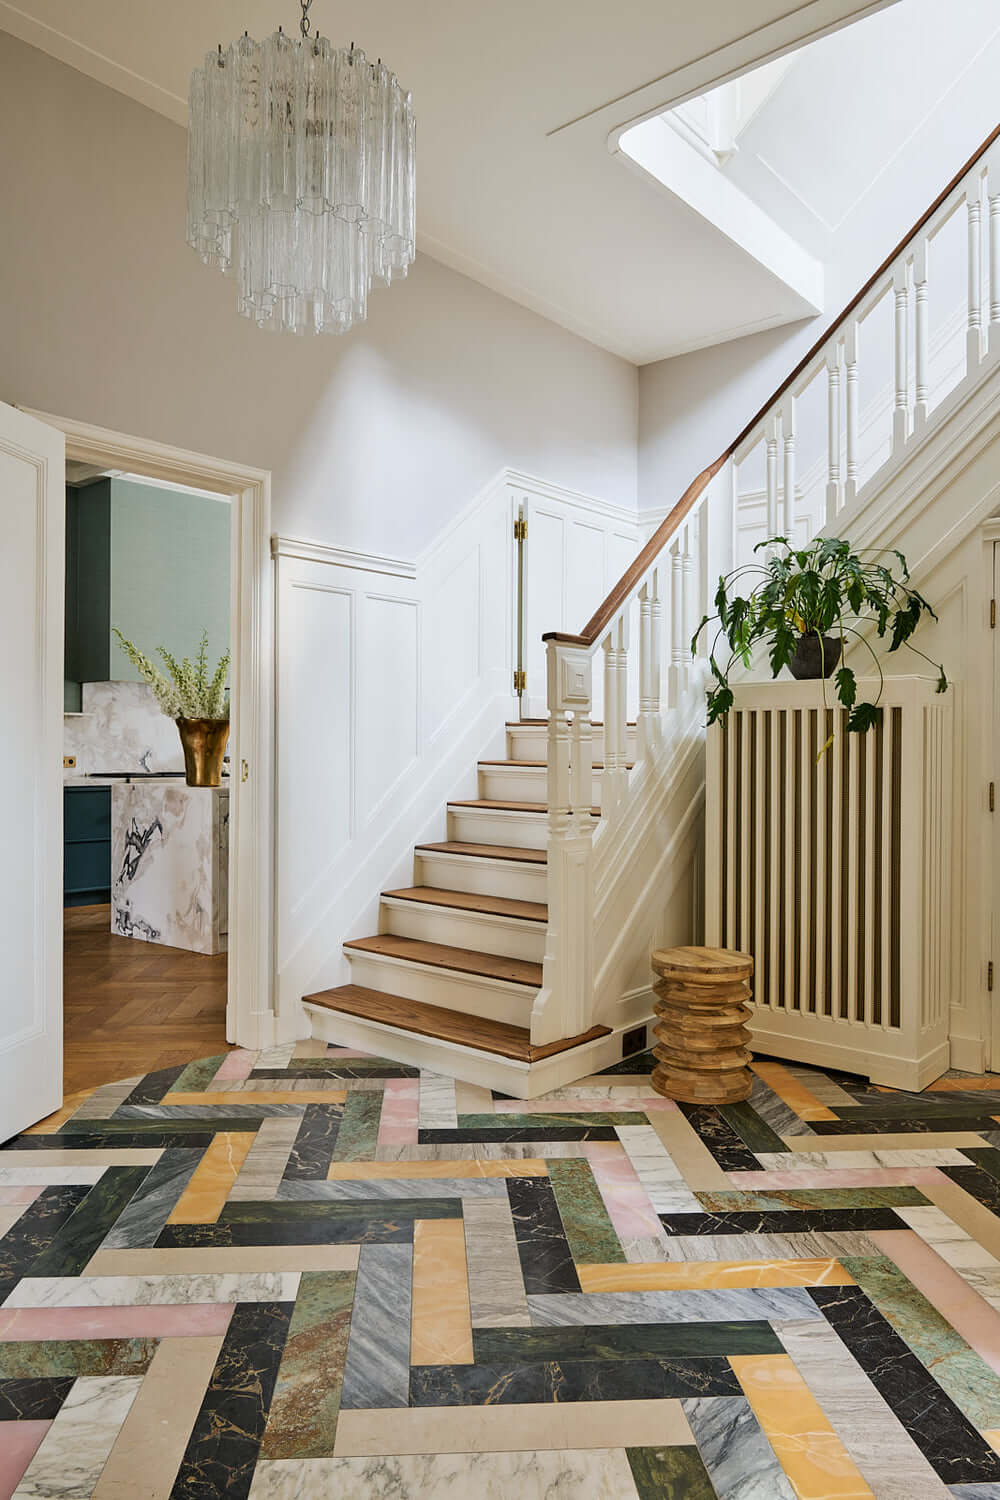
point(989, 975)
point(520, 681)
point(520, 529)
point(992, 797)
point(993, 614)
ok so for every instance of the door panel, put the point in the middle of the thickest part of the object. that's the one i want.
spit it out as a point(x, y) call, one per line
point(32, 508)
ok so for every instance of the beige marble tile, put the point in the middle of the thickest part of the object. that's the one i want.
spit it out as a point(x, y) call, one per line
point(9, 1215)
point(56, 1156)
point(267, 1158)
point(472, 1099)
point(223, 1260)
point(505, 1429)
point(597, 1473)
point(967, 1212)
point(496, 1285)
point(698, 1166)
point(144, 1461)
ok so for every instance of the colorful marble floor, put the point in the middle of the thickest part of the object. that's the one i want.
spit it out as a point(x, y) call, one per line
point(308, 1272)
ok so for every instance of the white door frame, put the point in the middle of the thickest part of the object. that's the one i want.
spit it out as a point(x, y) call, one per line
point(251, 1019)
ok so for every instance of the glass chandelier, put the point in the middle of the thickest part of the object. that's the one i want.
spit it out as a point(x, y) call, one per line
point(301, 177)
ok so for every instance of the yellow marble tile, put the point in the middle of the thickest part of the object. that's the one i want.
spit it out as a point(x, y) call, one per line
point(222, 1260)
point(260, 1096)
point(203, 1199)
point(795, 1094)
point(359, 1171)
point(668, 1276)
point(441, 1323)
point(948, 1085)
point(71, 1103)
point(816, 1462)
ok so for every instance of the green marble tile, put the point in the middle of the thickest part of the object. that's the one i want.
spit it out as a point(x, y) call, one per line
point(52, 1358)
point(740, 1200)
point(916, 1106)
point(198, 1075)
point(494, 1346)
point(589, 1229)
point(329, 1211)
point(358, 1133)
point(986, 1157)
point(957, 1368)
point(86, 1228)
point(302, 1421)
point(670, 1474)
point(751, 1128)
point(547, 1122)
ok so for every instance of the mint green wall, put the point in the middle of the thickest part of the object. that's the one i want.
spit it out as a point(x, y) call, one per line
point(169, 572)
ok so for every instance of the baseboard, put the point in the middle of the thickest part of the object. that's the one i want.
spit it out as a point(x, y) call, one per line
point(883, 1068)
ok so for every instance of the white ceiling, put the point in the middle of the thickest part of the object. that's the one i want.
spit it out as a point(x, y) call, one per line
point(515, 104)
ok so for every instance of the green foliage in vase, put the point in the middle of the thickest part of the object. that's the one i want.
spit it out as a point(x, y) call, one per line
point(824, 589)
point(188, 692)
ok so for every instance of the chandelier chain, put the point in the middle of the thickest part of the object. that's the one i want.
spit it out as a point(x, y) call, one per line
point(304, 23)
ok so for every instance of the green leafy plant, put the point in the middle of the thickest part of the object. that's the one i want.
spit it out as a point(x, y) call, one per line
point(189, 692)
point(824, 589)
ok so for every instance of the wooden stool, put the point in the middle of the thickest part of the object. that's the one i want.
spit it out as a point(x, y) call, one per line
point(702, 1039)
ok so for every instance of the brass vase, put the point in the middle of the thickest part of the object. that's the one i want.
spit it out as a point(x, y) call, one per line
point(204, 742)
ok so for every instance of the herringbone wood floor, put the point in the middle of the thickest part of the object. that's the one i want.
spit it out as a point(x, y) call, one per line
point(133, 1007)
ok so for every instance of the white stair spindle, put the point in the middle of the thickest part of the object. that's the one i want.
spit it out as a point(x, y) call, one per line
point(677, 643)
point(851, 411)
point(993, 183)
point(558, 789)
point(771, 452)
point(615, 778)
point(581, 776)
point(833, 432)
point(974, 340)
point(901, 404)
point(688, 599)
point(920, 322)
point(650, 631)
point(788, 476)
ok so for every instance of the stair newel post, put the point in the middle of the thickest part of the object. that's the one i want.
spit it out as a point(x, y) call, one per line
point(974, 337)
point(650, 631)
point(565, 1001)
point(901, 404)
point(920, 333)
point(833, 431)
point(993, 194)
point(851, 410)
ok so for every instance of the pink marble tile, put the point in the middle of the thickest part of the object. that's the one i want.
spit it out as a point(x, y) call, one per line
point(967, 1312)
point(398, 1122)
point(625, 1198)
point(21, 1441)
point(237, 1064)
point(35, 1324)
point(27, 1193)
point(545, 1106)
point(862, 1177)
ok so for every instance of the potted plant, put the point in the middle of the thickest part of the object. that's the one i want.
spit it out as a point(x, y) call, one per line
point(806, 603)
point(197, 702)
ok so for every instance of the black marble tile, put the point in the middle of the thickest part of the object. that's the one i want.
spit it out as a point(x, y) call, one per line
point(899, 1124)
point(639, 1062)
point(572, 1380)
point(351, 1067)
point(519, 1133)
point(914, 1106)
point(979, 1182)
point(312, 1153)
point(987, 1158)
point(147, 1126)
point(776, 1221)
point(82, 1233)
point(330, 1211)
point(34, 1400)
point(120, 1141)
point(520, 1346)
point(151, 1089)
point(290, 1232)
point(31, 1234)
point(222, 1450)
point(732, 1154)
point(946, 1438)
point(546, 1260)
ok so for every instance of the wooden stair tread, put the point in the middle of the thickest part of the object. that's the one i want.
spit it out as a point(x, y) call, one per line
point(486, 851)
point(498, 906)
point(442, 956)
point(447, 1025)
point(533, 807)
point(541, 765)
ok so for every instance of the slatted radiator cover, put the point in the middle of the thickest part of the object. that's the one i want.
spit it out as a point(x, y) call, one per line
point(833, 871)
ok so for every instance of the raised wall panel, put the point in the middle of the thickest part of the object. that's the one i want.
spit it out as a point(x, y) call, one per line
point(452, 645)
point(387, 696)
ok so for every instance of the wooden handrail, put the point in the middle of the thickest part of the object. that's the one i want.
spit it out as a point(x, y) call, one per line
point(608, 609)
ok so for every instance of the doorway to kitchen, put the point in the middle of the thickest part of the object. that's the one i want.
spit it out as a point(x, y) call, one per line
point(182, 949)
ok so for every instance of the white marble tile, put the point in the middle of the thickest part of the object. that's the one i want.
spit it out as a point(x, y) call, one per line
point(166, 863)
point(75, 1449)
point(662, 1180)
point(438, 1106)
point(45, 1176)
point(153, 1291)
point(976, 1266)
point(122, 729)
point(274, 1057)
point(496, 1283)
point(597, 1473)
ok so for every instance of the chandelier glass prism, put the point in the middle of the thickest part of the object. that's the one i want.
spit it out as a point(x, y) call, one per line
point(301, 177)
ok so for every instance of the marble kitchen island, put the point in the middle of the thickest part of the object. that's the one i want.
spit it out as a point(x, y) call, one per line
point(169, 864)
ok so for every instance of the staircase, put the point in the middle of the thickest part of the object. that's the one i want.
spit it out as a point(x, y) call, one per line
point(458, 958)
point(519, 957)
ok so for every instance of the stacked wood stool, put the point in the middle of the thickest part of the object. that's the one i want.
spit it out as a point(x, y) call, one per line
point(702, 1039)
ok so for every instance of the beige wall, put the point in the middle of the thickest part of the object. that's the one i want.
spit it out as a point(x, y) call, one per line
point(376, 439)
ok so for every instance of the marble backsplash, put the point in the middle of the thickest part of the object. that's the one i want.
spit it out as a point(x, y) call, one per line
point(121, 729)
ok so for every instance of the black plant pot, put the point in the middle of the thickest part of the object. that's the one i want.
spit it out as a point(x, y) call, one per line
point(815, 656)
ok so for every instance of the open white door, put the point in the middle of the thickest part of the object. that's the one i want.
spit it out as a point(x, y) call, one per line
point(32, 561)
